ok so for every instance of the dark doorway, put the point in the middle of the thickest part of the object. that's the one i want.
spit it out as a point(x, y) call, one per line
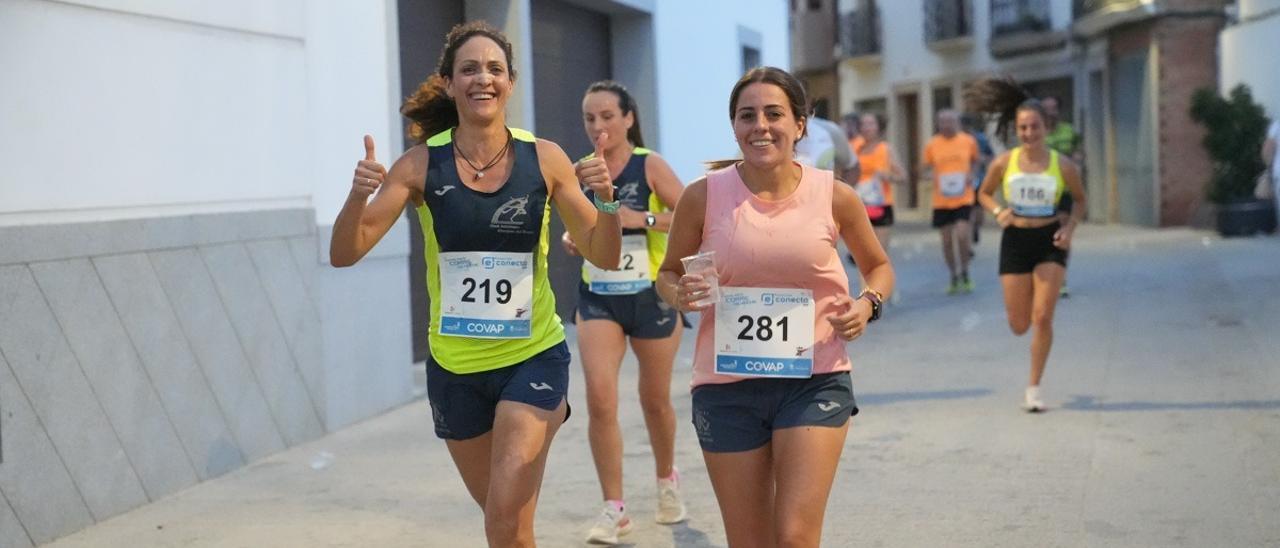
point(570, 51)
point(423, 25)
point(909, 124)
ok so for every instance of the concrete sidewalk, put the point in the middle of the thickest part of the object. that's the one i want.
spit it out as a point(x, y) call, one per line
point(1163, 429)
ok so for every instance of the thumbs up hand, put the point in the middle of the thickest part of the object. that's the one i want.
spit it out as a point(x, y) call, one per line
point(594, 173)
point(369, 173)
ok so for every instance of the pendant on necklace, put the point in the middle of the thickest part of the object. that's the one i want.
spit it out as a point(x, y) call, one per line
point(479, 174)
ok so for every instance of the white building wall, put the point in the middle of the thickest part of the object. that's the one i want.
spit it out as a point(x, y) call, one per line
point(698, 52)
point(907, 61)
point(352, 88)
point(171, 171)
point(126, 109)
point(1241, 47)
point(148, 108)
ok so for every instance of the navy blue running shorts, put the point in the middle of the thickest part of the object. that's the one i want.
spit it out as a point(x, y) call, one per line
point(643, 315)
point(742, 415)
point(463, 406)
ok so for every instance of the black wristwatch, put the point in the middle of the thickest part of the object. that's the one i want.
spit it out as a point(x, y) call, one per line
point(876, 299)
point(650, 219)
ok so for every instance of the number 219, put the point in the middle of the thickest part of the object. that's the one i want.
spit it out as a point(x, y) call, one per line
point(502, 288)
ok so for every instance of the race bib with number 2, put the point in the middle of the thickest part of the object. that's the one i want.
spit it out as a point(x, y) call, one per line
point(632, 275)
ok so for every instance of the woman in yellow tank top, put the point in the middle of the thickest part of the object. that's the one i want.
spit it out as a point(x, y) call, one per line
point(497, 377)
point(620, 305)
point(1036, 239)
point(880, 171)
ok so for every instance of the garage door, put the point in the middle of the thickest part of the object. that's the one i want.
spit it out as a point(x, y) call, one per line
point(570, 51)
point(422, 28)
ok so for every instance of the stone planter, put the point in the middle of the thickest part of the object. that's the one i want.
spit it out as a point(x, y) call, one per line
point(1246, 217)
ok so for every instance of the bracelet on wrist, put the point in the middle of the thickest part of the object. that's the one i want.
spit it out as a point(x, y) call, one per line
point(877, 302)
point(607, 207)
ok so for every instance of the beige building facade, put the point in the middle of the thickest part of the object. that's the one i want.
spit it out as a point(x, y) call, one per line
point(1124, 71)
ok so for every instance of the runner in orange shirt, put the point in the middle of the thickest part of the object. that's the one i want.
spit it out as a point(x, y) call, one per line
point(880, 171)
point(952, 155)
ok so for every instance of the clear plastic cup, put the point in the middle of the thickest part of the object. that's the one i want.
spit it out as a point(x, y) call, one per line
point(704, 264)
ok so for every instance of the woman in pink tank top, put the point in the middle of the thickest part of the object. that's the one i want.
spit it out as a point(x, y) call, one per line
point(771, 384)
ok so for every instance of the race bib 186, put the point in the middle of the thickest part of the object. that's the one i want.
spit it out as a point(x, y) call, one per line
point(762, 332)
point(1033, 195)
point(486, 294)
point(632, 275)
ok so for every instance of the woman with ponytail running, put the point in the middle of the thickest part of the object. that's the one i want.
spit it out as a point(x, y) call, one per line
point(498, 371)
point(615, 306)
point(880, 171)
point(772, 393)
point(1031, 179)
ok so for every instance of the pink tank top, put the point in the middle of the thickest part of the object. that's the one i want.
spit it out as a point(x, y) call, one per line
point(788, 243)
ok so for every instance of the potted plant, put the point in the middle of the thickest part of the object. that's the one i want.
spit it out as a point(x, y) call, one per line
point(1236, 128)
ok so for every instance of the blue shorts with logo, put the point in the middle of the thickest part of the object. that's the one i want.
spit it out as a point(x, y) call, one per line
point(742, 415)
point(464, 406)
point(643, 315)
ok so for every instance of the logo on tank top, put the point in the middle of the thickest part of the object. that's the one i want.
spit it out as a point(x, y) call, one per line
point(511, 216)
point(628, 191)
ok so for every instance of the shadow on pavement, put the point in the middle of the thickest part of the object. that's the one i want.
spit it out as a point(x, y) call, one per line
point(1089, 403)
point(885, 398)
point(683, 535)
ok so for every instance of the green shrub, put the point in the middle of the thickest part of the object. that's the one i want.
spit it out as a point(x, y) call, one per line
point(1236, 129)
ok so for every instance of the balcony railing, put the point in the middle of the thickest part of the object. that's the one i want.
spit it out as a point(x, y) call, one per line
point(1016, 16)
point(1083, 8)
point(860, 30)
point(947, 19)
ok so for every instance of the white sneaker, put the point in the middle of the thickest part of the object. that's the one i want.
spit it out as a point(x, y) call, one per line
point(670, 504)
point(609, 526)
point(1033, 403)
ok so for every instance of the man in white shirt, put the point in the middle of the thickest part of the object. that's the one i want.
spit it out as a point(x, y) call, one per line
point(824, 146)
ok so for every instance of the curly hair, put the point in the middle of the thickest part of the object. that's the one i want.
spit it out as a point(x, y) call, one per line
point(1003, 98)
point(430, 110)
